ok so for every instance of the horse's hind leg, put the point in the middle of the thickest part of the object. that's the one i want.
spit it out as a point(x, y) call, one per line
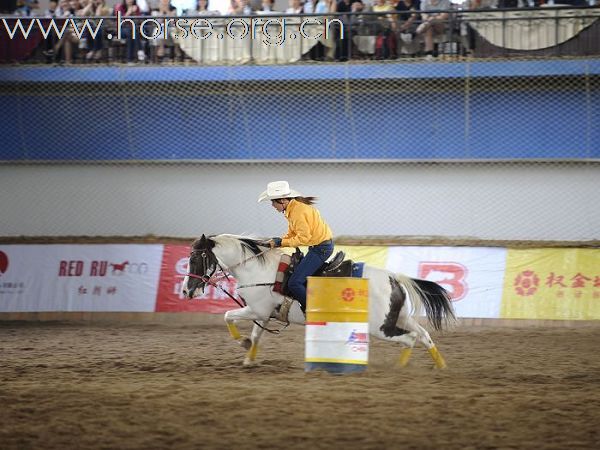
point(425, 339)
point(389, 330)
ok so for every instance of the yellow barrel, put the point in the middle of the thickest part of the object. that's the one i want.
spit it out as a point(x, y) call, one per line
point(337, 324)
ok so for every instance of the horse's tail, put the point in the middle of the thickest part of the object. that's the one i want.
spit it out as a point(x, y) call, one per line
point(435, 299)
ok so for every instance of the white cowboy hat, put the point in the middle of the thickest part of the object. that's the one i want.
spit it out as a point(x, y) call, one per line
point(276, 190)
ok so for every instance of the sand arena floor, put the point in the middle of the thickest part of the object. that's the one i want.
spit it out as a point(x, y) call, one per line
point(142, 386)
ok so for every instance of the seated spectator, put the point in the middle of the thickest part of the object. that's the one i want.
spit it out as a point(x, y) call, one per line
point(25, 8)
point(129, 8)
point(295, 7)
point(64, 48)
point(245, 8)
point(165, 9)
point(202, 9)
point(385, 43)
point(407, 28)
point(433, 24)
point(267, 7)
point(343, 46)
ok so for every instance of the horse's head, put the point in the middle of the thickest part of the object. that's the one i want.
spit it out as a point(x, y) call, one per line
point(202, 265)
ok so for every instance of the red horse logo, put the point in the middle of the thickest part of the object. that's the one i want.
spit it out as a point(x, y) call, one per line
point(119, 268)
point(3, 263)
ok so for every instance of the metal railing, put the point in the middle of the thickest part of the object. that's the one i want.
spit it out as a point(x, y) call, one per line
point(284, 39)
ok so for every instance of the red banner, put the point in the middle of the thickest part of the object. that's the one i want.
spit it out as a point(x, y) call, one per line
point(170, 299)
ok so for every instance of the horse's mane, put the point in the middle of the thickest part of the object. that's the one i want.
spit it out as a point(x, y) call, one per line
point(250, 244)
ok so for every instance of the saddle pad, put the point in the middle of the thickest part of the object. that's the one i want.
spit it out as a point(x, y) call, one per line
point(357, 270)
point(284, 263)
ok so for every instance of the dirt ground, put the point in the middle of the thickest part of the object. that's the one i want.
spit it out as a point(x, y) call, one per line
point(143, 386)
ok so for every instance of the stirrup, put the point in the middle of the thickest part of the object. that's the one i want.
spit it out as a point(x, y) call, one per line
point(282, 313)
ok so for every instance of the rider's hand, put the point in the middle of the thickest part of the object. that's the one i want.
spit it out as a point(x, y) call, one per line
point(275, 242)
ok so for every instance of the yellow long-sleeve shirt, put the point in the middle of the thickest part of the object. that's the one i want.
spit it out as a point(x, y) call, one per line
point(305, 226)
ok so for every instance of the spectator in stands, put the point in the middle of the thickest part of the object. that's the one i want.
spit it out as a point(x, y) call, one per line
point(129, 8)
point(318, 51)
point(385, 41)
point(295, 7)
point(202, 9)
point(96, 8)
point(25, 8)
point(51, 41)
point(235, 8)
point(343, 48)
point(165, 9)
point(246, 8)
point(407, 28)
point(267, 7)
point(433, 24)
point(68, 43)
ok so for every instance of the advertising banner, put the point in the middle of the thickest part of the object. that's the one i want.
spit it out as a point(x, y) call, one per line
point(552, 284)
point(170, 298)
point(472, 275)
point(79, 277)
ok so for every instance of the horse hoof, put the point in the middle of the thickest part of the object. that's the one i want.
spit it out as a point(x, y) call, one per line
point(249, 362)
point(246, 343)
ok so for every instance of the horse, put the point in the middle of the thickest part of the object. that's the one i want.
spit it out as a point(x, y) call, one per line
point(395, 300)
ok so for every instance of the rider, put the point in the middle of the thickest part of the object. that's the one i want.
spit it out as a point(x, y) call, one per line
point(305, 227)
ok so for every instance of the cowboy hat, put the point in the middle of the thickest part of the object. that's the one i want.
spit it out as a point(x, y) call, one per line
point(276, 190)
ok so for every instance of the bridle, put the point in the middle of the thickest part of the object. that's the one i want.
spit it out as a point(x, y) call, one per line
point(211, 280)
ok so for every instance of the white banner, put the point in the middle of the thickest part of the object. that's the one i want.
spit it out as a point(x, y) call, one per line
point(473, 275)
point(79, 277)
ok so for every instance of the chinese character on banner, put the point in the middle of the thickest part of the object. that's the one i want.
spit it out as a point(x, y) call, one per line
point(111, 290)
point(579, 280)
point(82, 290)
point(554, 280)
point(597, 281)
point(97, 290)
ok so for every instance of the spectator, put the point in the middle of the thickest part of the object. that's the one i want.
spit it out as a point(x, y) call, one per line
point(25, 8)
point(267, 7)
point(51, 41)
point(129, 8)
point(235, 8)
point(165, 9)
point(65, 46)
point(407, 29)
point(295, 7)
point(434, 23)
point(202, 9)
point(317, 52)
point(343, 46)
point(245, 8)
point(385, 42)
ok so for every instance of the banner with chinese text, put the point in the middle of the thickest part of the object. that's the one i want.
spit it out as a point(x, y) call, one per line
point(552, 284)
point(79, 277)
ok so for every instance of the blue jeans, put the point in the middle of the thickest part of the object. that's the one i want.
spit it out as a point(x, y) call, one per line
point(316, 256)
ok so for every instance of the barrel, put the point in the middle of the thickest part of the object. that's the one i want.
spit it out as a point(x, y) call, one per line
point(337, 324)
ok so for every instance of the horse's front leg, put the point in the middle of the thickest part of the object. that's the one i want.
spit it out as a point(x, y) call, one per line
point(250, 344)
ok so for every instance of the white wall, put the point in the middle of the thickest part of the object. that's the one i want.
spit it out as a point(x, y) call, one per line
point(493, 201)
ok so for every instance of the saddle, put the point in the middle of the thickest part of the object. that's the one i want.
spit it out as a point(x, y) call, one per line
point(337, 267)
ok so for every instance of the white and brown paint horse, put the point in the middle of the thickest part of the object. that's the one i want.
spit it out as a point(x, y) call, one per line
point(394, 299)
